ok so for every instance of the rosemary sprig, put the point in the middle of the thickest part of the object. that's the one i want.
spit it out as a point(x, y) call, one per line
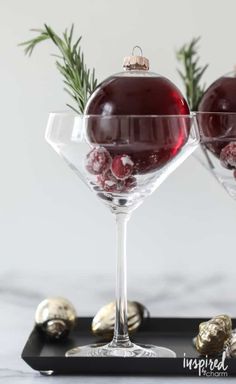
point(80, 82)
point(192, 72)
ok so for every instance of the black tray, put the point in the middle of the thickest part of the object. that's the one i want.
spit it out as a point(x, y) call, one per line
point(174, 333)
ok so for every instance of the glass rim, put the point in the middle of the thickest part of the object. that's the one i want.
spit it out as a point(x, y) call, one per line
point(214, 113)
point(72, 113)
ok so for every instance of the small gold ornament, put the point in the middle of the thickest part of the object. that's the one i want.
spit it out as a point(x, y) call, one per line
point(232, 345)
point(55, 316)
point(213, 335)
point(104, 321)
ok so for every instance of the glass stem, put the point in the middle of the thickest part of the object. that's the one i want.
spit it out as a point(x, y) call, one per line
point(121, 336)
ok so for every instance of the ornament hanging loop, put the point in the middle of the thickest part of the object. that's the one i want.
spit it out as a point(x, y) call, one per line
point(137, 47)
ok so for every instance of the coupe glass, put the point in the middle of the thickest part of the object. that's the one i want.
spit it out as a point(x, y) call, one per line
point(147, 149)
point(217, 151)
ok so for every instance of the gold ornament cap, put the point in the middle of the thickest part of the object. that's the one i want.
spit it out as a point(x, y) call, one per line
point(136, 62)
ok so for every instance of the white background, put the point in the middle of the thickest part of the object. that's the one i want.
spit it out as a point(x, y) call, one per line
point(49, 220)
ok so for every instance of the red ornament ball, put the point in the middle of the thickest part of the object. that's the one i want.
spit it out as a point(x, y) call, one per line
point(218, 121)
point(128, 103)
point(151, 160)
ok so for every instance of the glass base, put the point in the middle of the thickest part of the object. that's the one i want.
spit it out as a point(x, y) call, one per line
point(133, 350)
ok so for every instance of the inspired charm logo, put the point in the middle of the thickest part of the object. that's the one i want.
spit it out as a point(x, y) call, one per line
point(207, 367)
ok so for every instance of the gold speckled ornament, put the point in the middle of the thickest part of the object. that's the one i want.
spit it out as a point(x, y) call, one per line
point(55, 316)
point(104, 321)
point(213, 335)
point(232, 346)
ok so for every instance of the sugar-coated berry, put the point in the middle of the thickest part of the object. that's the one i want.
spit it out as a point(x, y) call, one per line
point(129, 184)
point(109, 183)
point(228, 156)
point(98, 161)
point(122, 166)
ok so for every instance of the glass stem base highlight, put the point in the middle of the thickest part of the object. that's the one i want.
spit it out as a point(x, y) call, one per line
point(128, 350)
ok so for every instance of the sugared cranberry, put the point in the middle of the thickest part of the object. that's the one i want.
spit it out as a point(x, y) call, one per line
point(108, 182)
point(228, 156)
point(129, 184)
point(98, 161)
point(122, 166)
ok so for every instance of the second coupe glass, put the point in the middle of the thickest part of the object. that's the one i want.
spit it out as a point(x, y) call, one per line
point(217, 152)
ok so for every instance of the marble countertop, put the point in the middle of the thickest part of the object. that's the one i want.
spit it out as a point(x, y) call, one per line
point(167, 295)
